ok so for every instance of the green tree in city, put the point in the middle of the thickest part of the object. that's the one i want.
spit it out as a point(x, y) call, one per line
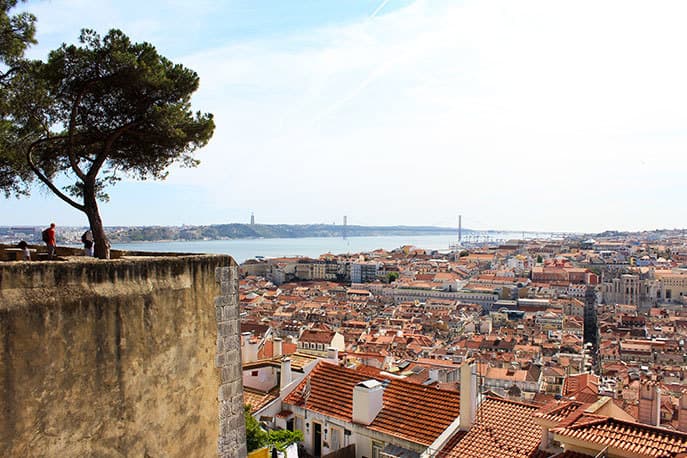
point(392, 277)
point(256, 437)
point(17, 33)
point(281, 439)
point(96, 112)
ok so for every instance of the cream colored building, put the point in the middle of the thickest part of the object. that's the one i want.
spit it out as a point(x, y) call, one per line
point(672, 285)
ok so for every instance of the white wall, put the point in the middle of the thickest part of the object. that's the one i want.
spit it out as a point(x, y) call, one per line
point(264, 381)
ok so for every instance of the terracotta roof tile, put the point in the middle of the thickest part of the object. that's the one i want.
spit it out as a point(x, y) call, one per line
point(625, 437)
point(410, 411)
point(257, 399)
point(558, 411)
point(502, 429)
point(578, 382)
point(317, 336)
point(571, 454)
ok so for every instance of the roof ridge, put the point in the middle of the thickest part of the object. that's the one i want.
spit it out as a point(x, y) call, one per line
point(651, 427)
point(573, 416)
point(510, 401)
point(560, 405)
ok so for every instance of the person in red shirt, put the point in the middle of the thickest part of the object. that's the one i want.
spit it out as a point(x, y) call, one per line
point(50, 241)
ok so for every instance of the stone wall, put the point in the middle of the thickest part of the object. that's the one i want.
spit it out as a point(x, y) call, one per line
point(130, 357)
point(232, 434)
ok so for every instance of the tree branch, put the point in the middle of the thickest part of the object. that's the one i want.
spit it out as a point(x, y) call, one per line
point(105, 153)
point(47, 181)
point(7, 74)
point(70, 149)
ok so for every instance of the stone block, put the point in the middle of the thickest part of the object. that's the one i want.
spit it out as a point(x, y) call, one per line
point(229, 390)
point(233, 356)
point(232, 344)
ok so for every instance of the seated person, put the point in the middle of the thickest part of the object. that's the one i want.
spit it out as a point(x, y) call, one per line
point(26, 254)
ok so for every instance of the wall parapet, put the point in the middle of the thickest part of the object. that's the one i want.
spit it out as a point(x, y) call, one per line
point(132, 356)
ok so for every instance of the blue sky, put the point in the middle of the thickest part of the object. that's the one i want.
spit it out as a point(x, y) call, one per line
point(532, 115)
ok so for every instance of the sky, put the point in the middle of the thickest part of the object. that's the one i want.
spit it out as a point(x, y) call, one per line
point(527, 115)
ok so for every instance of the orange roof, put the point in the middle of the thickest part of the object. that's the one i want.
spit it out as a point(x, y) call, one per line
point(502, 429)
point(574, 384)
point(267, 350)
point(558, 411)
point(257, 399)
point(623, 437)
point(410, 411)
point(317, 336)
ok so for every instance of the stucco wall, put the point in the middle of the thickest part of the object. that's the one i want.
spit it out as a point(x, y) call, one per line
point(127, 357)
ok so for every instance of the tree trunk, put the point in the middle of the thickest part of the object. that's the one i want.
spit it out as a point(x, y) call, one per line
point(101, 245)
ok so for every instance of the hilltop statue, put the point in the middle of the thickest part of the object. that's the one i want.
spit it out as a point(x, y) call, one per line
point(93, 114)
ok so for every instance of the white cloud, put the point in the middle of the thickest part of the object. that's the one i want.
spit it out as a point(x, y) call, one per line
point(536, 115)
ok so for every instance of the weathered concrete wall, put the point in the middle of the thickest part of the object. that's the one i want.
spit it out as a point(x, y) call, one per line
point(129, 357)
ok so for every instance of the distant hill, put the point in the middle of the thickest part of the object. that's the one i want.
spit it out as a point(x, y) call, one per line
point(252, 231)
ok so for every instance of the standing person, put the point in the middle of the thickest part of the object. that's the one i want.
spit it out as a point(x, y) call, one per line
point(87, 239)
point(50, 241)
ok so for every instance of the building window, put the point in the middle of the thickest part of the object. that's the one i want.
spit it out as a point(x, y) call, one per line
point(253, 373)
point(377, 448)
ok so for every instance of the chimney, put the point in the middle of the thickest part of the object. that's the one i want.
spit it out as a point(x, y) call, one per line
point(333, 354)
point(650, 403)
point(285, 372)
point(249, 347)
point(368, 397)
point(682, 415)
point(468, 394)
point(276, 347)
point(253, 347)
point(245, 337)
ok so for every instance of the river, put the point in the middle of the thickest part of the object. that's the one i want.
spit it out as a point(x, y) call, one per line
point(243, 249)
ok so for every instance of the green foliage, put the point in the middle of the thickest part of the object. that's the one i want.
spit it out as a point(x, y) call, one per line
point(255, 436)
point(16, 35)
point(392, 277)
point(539, 259)
point(17, 32)
point(95, 113)
point(113, 108)
point(282, 438)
